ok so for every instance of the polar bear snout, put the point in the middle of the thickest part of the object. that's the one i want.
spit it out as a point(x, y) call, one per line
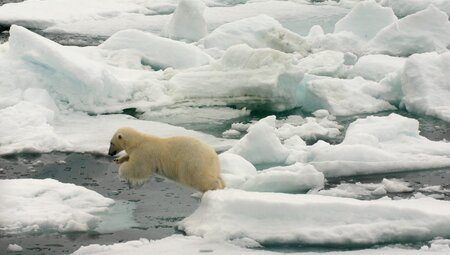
point(112, 150)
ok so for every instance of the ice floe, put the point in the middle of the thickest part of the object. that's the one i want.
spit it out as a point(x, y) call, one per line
point(312, 219)
point(32, 205)
point(195, 245)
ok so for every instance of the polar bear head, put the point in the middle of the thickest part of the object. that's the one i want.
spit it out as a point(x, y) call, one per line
point(121, 140)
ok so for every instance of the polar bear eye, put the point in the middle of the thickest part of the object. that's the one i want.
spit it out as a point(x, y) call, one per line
point(120, 137)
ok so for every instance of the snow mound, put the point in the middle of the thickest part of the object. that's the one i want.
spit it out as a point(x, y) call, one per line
point(261, 31)
point(31, 205)
point(366, 19)
point(424, 31)
point(243, 77)
point(187, 21)
point(156, 51)
point(426, 85)
point(312, 219)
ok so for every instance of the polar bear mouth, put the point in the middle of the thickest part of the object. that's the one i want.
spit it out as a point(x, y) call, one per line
point(112, 151)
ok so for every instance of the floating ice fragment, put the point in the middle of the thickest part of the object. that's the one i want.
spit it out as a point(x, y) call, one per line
point(31, 205)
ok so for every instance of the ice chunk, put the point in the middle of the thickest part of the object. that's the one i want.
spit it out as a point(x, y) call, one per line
point(77, 79)
point(240, 174)
point(424, 31)
point(343, 96)
point(235, 169)
point(32, 205)
point(325, 63)
point(312, 129)
point(376, 67)
point(426, 85)
point(312, 219)
point(379, 145)
point(367, 190)
point(156, 51)
point(366, 19)
point(295, 178)
point(258, 32)
point(396, 186)
point(40, 97)
point(343, 41)
point(27, 127)
point(187, 21)
point(14, 248)
point(404, 8)
point(323, 126)
point(261, 144)
point(244, 77)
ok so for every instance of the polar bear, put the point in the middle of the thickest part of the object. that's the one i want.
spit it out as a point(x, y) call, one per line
point(180, 158)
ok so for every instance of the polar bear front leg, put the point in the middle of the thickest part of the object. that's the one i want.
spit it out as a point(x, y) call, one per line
point(136, 173)
point(121, 159)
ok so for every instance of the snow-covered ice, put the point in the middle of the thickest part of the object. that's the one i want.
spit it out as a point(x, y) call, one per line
point(32, 130)
point(312, 219)
point(403, 8)
point(366, 190)
point(240, 174)
point(426, 87)
point(371, 145)
point(14, 248)
point(424, 31)
point(32, 205)
point(366, 19)
point(263, 78)
point(261, 31)
point(162, 53)
point(187, 21)
point(379, 145)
